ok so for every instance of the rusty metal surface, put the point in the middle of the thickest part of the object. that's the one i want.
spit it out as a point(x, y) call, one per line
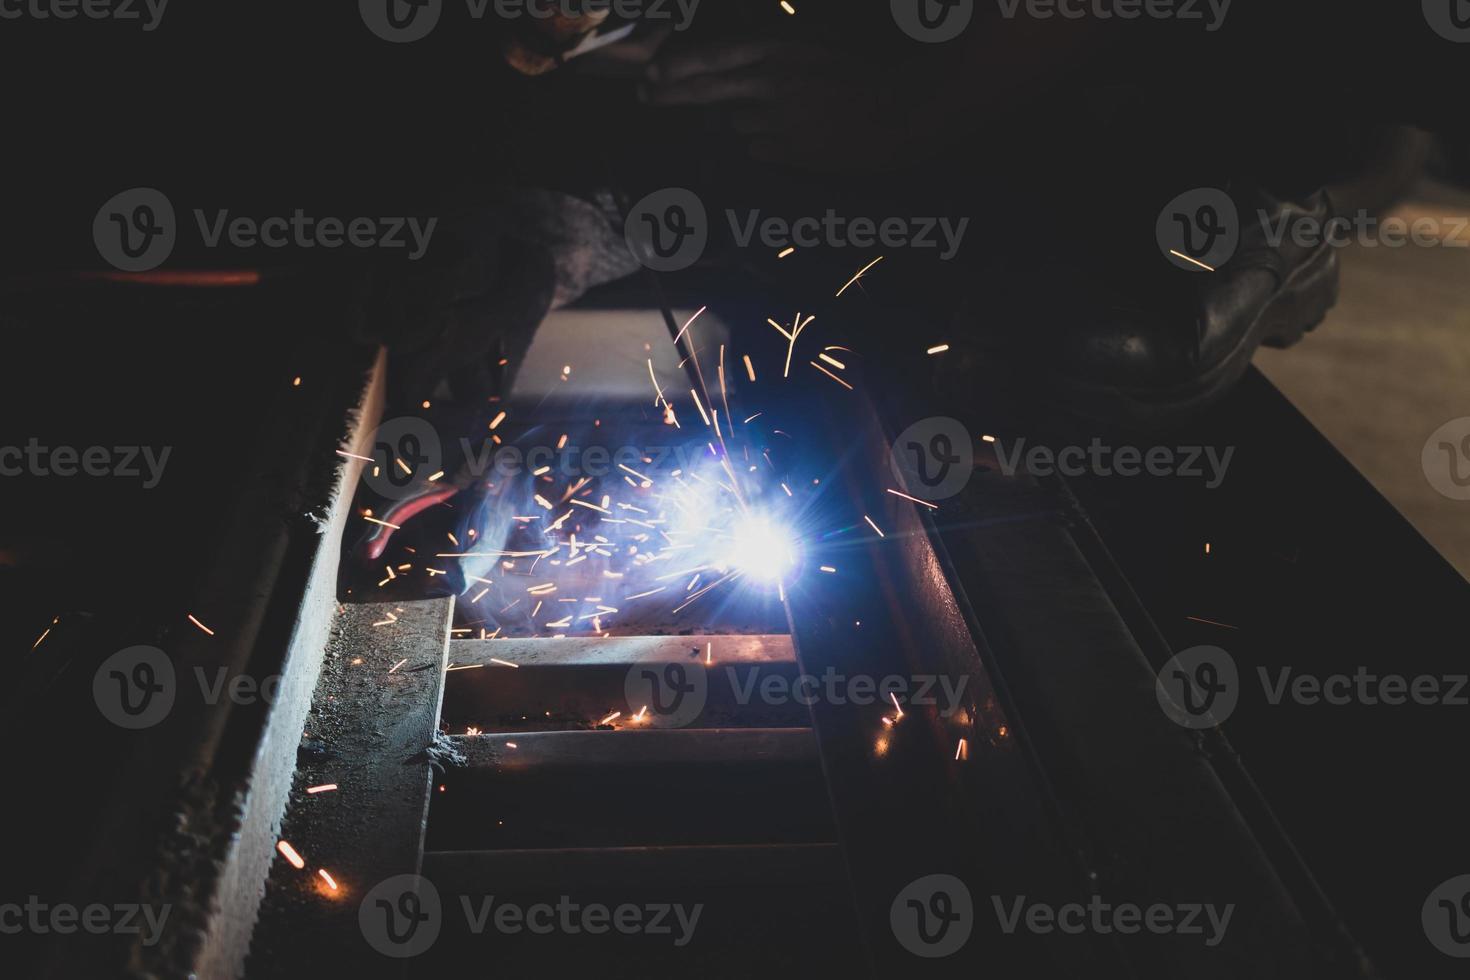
point(370, 731)
point(198, 795)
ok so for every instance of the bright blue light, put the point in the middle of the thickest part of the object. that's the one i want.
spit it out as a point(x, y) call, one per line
point(761, 550)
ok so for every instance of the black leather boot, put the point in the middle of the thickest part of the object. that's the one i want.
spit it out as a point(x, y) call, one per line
point(1140, 340)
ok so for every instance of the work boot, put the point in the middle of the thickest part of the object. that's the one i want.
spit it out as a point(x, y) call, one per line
point(1146, 341)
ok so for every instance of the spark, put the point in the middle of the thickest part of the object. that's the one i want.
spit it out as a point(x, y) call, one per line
point(323, 788)
point(610, 717)
point(196, 623)
point(895, 704)
point(496, 421)
point(374, 520)
point(831, 375)
point(1207, 268)
point(327, 878)
point(702, 414)
point(923, 503)
point(404, 466)
point(872, 525)
point(961, 751)
point(749, 367)
point(365, 459)
point(940, 349)
point(43, 636)
point(797, 326)
point(642, 595)
point(289, 853)
point(397, 665)
point(1212, 622)
point(987, 438)
point(828, 568)
point(463, 667)
point(583, 503)
point(790, 248)
point(688, 325)
point(504, 663)
point(860, 274)
point(833, 361)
